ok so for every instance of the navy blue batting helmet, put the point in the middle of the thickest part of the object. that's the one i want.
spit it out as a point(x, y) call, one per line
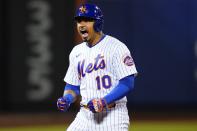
point(91, 11)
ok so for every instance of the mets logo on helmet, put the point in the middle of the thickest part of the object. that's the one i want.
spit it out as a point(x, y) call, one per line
point(83, 9)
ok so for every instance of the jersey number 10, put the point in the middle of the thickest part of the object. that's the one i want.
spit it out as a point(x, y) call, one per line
point(104, 81)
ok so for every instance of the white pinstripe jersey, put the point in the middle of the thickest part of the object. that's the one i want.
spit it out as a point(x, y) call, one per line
point(98, 69)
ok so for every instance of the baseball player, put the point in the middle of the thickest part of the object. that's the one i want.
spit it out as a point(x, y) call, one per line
point(102, 71)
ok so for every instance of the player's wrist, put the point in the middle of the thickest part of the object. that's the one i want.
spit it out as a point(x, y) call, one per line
point(104, 103)
point(70, 96)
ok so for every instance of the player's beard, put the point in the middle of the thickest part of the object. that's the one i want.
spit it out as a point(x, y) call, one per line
point(88, 41)
point(85, 39)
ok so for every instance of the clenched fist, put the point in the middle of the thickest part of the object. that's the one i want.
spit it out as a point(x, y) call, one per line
point(96, 105)
point(63, 104)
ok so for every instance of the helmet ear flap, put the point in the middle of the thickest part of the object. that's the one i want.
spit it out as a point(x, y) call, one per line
point(98, 25)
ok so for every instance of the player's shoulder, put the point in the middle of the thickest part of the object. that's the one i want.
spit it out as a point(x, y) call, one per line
point(115, 42)
point(78, 48)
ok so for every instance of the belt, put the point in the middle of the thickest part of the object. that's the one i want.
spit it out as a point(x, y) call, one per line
point(112, 105)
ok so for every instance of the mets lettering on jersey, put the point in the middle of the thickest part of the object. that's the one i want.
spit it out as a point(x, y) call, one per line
point(98, 64)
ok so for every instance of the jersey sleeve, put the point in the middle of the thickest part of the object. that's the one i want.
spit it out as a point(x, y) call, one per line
point(123, 62)
point(72, 76)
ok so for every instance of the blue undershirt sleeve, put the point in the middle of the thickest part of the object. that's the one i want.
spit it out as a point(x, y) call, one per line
point(69, 97)
point(125, 85)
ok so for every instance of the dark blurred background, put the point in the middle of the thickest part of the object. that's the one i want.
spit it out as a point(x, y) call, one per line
point(38, 35)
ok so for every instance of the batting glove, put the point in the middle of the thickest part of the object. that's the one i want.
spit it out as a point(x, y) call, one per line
point(62, 104)
point(96, 105)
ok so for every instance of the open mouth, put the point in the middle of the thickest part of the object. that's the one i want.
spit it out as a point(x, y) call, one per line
point(84, 32)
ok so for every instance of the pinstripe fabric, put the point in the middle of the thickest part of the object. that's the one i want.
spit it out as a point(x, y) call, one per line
point(98, 70)
point(116, 119)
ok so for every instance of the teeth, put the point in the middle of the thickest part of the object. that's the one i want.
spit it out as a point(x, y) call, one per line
point(82, 29)
point(83, 32)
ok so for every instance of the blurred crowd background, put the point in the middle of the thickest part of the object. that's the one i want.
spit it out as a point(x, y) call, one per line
point(38, 35)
